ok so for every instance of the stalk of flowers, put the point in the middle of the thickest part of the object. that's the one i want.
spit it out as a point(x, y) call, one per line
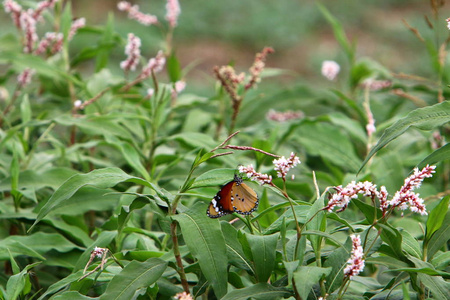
point(28, 26)
point(154, 65)
point(41, 6)
point(258, 66)
point(284, 116)
point(330, 69)
point(133, 52)
point(230, 81)
point(24, 78)
point(283, 165)
point(173, 11)
point(135, 14)
point(13, 8)
point(375, 85)
point(345, 194)
point(53, 39)
point(255, 176)
point(355, 264)
point(77, 24)
point(406, 197)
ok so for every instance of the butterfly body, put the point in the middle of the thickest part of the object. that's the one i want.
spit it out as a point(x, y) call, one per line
point(235, 196)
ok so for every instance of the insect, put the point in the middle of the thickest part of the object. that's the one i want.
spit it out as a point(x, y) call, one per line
point(235, 196)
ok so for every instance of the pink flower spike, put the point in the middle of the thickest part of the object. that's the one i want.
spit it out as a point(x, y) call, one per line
point(283, 165)
point(15, 10)
point(133, 51)
point(258, 66)
point(330, 69)
point(344, 195)
point(173, 11)
point(282, 117)
point(134, 13)
point(28, 25)
point(448, 23)
point(255, 176)
point(155, 64)
point(77, 24)
point(24, 78)
point(41, 6)
point(405, 196)
point(356, 261)
point(51, 38)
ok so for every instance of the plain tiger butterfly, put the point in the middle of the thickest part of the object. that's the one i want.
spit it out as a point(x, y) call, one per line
point(235, 196)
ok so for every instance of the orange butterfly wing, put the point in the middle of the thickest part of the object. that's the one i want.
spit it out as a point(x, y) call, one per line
point(235, 196)
point(244, 199)
point(221, 203)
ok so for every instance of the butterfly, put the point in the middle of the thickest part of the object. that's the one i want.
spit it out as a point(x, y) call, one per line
point(235, 196)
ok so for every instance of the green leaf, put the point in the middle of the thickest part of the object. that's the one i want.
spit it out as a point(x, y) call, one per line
point(194, 140)
point(425, 118)
point(306, 277)
point(61, 284)
point(338, 30)
point(439, 288)
point(106, 44)
point(103, 178)
point(337, 262)
point(436, 217)
point(71, 295)
point(368, 210)
point(393, 238)
point(440, 237)
point(318, 223)
point(37, 243)
point(173, 68)
point(214, 177)
point(438, 155)
point(259, 291)
point(410, 245)
point(25, 109)
point(204, 239)
point(134, 276)
point(16, 283)
point(263, 249)
point(329, 142)
point(235, 252)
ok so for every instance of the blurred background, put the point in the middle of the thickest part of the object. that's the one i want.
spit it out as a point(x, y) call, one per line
point(220, 32)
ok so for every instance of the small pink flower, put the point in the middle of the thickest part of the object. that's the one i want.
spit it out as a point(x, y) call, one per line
point(255, 176)
point(134, 13)
point(448, 23)
point(330, 69)
point(180, 85)
point(283, 165)
point(133, 51)
point(183, 296)
point(77, 24)
point(154, 65)
point(77, 104)
point(284, 116)
point(173, 11)
point(257, 67)
point(24, 78)
point(98, 252)
point(356, 261)
point(150, 93)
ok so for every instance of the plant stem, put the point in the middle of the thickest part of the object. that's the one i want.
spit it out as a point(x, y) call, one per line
point(176, 252)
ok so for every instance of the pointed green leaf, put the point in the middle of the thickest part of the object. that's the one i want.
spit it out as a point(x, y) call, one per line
point(263, 249)
point(260, 291)
point(437, 216)
point(306, 277)
point(214, 177)
point(16, 283)
point(440, 237)
point(438, 155)
point(134, 276)
point(425, 118)
point(235, 252)
point(204, 239)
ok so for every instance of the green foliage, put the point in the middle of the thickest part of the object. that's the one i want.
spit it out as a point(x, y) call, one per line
point(106, 174)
